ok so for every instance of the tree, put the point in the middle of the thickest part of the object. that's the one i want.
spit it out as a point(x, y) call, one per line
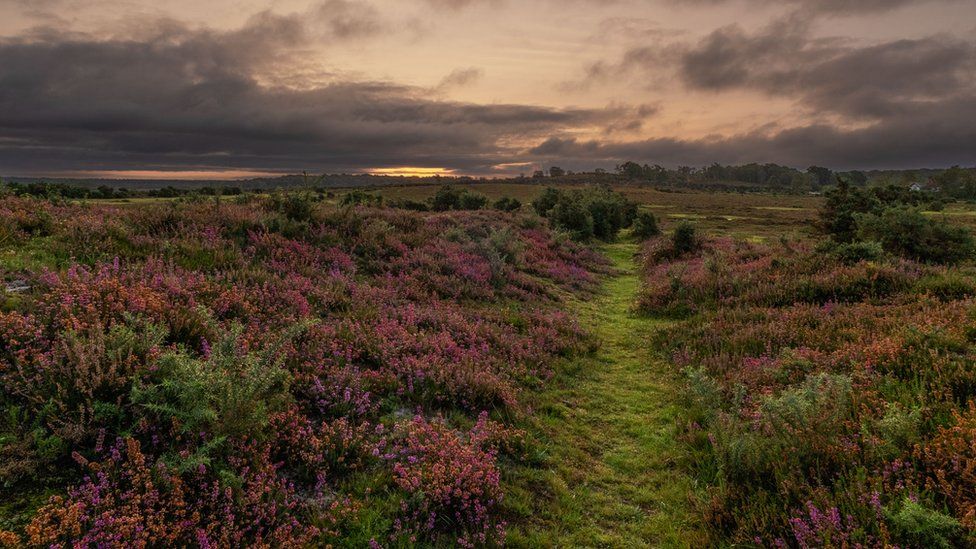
point(858, 178)
point(841, 205)
point(823, 176)
point(630, 170)
point(556, 171)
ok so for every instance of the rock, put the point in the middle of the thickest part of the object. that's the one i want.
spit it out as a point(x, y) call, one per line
point(17, 286)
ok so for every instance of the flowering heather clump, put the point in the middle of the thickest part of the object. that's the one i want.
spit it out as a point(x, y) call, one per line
point(252, 359)
point(127, 501)
point(827, 396)
point(452, 480)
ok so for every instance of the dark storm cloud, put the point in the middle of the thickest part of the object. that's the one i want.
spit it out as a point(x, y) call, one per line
point(194, 98)
point(908, 101)
point(927, 134)
point(824, 75)
point(871, 81)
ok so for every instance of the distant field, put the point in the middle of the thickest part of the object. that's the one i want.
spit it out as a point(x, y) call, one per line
point(761, 216)
point(750, 216)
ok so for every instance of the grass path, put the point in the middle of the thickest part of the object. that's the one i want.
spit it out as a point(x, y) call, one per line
point(607, 472)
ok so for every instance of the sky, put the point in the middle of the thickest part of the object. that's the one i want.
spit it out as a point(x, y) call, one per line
point(242, 88)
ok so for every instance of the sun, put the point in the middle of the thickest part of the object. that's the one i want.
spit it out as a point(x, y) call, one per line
point(411, 171)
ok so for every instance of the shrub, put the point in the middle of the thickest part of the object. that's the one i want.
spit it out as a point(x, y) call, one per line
point(571, 215)
point(684, 239)
point(645, 226)
point(452, 480)
point(507, 204)
point(593, 212)
point(127, 499)
point(358, 197)
point(546, 201)
point(910, 234)
point(854, 252)
point(918, 526)
point(841, 204)
point(409, 204)
point(224, 394)
point(451, 198)
point(472, 201)
point(951, 460)
point(296, 206)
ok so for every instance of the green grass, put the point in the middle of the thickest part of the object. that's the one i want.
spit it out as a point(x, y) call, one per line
point(605, 468)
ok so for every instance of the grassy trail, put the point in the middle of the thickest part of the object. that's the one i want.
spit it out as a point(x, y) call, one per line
point(609, 471)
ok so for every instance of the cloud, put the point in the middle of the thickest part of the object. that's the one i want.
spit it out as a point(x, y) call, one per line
point(828, 7)
point(833, 76)
point(461, 4)
point(891, 103)
point(460, 78)
point(930, 134)
point(858, 81)
point(157, 92)
point(196, 97)
point(348, 18)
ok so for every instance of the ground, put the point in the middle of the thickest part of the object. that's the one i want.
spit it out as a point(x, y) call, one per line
point(609, 476)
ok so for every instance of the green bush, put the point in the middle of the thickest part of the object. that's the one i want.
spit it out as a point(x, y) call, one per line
point(358, 197)
point(296, 206)
point(906, 232)
point(854, 252)
point(918, 526)
point(507, 204)
point(684, 239)
point(408, 204)
point(571, 215)
point(228, 394)
point(837, 216)
point(472, 201)
point(645, 226)
point(594, 212)
point(451, 198)
point(948, 286)
point(546, 201)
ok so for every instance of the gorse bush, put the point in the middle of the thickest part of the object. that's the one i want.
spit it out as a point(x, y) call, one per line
point(892, 217)
point(594, 212)
point(361, 198)
point(684, 239)
point(223, 374)
point(507, 204)
point(571, 215)
point(224, 394)
point(852, 253)
point(922, 527)
point(908, 233)
point(452, 198)
point(645, 226)
point(296, 206)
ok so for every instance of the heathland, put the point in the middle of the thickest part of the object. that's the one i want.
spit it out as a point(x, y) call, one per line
point(491, 363)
